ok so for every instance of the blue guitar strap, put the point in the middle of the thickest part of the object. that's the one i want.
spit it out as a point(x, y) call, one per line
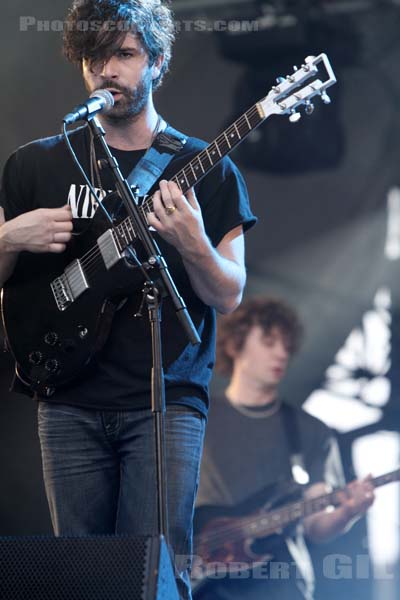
point(153, 164)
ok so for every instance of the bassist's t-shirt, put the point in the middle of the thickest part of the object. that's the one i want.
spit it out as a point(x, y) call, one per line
point(245, 466)
point(43, 175)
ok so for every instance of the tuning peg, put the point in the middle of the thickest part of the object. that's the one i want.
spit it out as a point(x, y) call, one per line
point(325, 98)
point(309, 108)
point(280, 80)
point(295, 68)
point(294, 116)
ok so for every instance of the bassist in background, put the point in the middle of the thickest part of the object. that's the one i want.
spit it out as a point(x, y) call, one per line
point(96, 433)
point(250, 445)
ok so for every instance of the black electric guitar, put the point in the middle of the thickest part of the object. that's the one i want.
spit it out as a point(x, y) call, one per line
point(228, 539)
point(58, 317)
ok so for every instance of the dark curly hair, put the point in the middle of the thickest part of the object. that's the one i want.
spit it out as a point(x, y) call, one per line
point(95, 29)
point(266, 312)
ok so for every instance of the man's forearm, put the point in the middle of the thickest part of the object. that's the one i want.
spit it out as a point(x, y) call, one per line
point(327, 526)
point(217, 274)
point(217, 280)
point(7, 261)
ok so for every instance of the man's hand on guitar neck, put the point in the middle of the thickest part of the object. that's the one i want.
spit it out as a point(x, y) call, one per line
point(41, 230)
point(217, 274)
point(178, 218)
point(354, 500)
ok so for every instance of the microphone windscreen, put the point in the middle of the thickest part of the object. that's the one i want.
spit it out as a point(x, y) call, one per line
point(106, 96)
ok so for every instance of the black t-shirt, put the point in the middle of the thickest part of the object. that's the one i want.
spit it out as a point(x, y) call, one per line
point(43, 175)
point(244, 455)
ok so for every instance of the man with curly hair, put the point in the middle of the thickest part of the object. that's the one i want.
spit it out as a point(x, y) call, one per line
point(258, 447)
point(96, 433)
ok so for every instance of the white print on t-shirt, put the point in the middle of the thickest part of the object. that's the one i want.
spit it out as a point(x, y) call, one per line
point(81, 201)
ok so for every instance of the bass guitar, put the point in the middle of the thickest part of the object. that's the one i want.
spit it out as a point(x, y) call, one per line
point(55, 332)
point(228, 540)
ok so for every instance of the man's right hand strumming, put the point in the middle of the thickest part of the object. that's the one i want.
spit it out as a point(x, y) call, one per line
point(41, 230)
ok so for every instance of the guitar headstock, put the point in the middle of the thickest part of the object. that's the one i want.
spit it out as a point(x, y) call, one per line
point(299, 88)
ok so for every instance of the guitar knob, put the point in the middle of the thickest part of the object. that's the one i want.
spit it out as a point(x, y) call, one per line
point(52, 365)
point(36, 358)
point(294, 117)
point(51, 338)
point(309, 108)
point(82, 331)
point(325, 98)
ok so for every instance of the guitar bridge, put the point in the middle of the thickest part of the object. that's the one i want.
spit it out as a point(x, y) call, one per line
point(69, 286)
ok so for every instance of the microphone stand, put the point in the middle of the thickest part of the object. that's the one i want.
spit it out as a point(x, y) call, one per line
point(152, 295)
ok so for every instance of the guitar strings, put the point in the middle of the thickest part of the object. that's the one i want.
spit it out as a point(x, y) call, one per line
point(202, 155)
point(235, 531)
point(89, 260)
point(93, 257)
point(300, 507)
point(188, 171)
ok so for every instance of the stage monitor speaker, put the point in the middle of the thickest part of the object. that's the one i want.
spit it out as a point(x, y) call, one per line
point(86, 568)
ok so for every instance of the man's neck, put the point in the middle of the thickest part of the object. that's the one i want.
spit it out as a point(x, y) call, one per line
point(135, 134)
point(240, 392)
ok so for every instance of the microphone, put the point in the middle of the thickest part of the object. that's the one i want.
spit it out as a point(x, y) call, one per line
point(99, 100)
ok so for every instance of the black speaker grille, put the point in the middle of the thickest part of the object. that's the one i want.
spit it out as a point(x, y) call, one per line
point(91, 568)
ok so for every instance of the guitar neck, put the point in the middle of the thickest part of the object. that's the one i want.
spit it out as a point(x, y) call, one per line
point(314, 505)
point(202, 164)
point(268, 523)
point(208, 158)
point(291, 92)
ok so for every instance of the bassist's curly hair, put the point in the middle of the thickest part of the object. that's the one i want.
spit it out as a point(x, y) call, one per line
point(95, 29)
point(267, 313)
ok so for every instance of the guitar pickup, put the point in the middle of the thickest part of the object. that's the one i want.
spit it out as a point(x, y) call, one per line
point(109, 249)
point(69, 286)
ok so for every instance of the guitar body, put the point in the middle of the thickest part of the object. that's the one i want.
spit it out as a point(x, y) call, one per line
point(52, 346)
point(220, 519)
point(233, 539)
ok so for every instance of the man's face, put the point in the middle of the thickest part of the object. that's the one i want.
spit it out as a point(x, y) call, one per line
point(264, 357)
point(127, 75)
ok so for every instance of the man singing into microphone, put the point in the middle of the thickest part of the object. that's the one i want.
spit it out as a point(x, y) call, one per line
point(96, 432)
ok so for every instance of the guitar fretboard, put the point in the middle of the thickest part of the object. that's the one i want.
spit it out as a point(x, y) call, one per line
point(202, 164)
point(281, 517)
point(214, 152)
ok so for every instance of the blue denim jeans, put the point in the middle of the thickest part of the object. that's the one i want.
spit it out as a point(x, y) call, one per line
point(100, 477)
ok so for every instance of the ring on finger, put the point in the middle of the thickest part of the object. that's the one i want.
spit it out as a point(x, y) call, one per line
point(170, 209)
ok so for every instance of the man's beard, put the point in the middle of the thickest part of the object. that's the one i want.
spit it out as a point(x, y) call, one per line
point(132, 102)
